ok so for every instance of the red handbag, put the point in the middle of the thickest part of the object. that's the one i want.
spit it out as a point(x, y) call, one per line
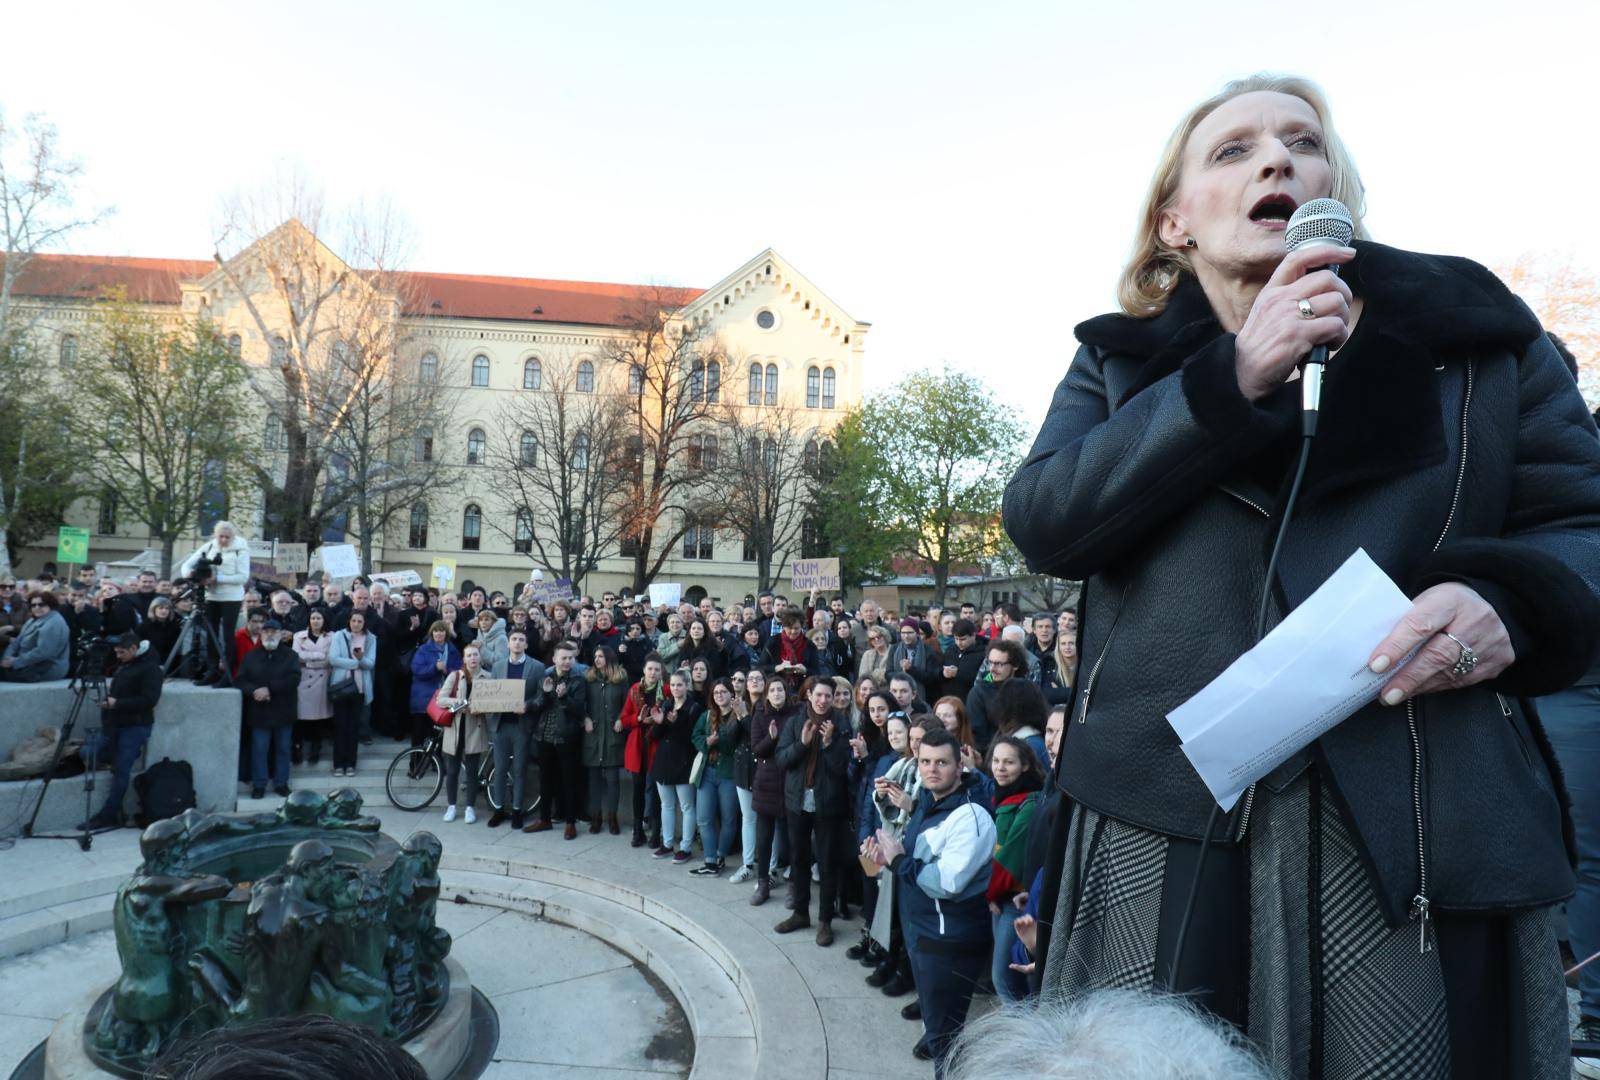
point(442, 715)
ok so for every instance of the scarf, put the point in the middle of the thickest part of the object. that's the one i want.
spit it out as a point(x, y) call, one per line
point(814, 753)
point(1026, 784)
point(792, 651)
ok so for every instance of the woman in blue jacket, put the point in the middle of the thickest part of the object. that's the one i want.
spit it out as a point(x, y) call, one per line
point(433, 660)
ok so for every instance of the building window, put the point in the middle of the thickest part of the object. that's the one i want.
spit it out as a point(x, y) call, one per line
point(698, 541)
point(422, 448)
point(475, 444)
point(711, 452)
point(419, 526)
point(523, 544)
point(702, 452)
point(810, 538)
point(635, 380)
point(771, 461)
point(532, 373)
point(429, 368)
point(631, 544)
point(772, 384)
point(586, 378)
point(213, 497)
point(471, 527)
point(633, 458)
point(69, 350)
point(279, 351)
point(813, 386)
point(755, 384)
point(480, 370)
point(713, 382)
point(828, 387)
point(108, 512)
point(749, 553)
point(810, 459)
point(235, 346)
point(697, 381)
point(338, 474)
point(580, 452)
point(765, 319)
point(528, 449)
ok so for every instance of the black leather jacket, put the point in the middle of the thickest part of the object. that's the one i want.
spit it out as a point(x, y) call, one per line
point(1454, 446)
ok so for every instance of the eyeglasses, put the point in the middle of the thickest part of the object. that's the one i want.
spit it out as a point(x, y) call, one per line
point(38, 606)
point(999, 663)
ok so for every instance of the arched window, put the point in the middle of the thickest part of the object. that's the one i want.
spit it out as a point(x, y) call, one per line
point(711, 451)
point(772, 384)
point(419, 526)
point(480, 370)
point(811, 456)
point(813, 386)
point(532, 373)
point(713, 382)
point(586, 378)
point(471, 527)
point(523, 544)
point(276, 438)
point(635, 379)
point(475, 445)
point(69, 350)
point(235, 345)
point(755, 384)
point(108, 512)
point(580, 452)
point(528, 450)
point(422, 444)
point(828, 387)
point(429, 368)
point(771, 461)
point(697, 381)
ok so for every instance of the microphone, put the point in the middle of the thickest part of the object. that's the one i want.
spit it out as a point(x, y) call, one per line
point(1320, 221)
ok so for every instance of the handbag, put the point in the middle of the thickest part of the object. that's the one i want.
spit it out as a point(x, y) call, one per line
point(698, 769)
point(442, 715)
point(347, 690)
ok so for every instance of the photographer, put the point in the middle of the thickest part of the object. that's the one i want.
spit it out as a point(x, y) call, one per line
point(222, 566)
point(118, 614)
point(127, 714)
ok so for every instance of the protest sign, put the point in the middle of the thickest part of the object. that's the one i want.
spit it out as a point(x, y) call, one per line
point(292, 559)
point(819, 574)
point(547, 592)
point(497, 695)
point(666, 594)
point(72, 545)
point(443, 574)
point(339, 560)
point(398, 579)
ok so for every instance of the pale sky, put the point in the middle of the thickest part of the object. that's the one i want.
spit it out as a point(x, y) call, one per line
point(962, 176)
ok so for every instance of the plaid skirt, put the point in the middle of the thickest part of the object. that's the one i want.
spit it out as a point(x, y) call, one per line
point(1377, 1006)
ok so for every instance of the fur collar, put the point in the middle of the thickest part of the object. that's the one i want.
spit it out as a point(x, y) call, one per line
point(1381, 406)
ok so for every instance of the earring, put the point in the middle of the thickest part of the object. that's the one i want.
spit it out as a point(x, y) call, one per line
point(1189, 242)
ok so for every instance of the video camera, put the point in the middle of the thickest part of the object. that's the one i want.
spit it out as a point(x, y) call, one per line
point(202, 572)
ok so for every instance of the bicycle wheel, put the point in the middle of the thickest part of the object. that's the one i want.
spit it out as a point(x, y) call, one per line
point(414, 779)
point(486, 783)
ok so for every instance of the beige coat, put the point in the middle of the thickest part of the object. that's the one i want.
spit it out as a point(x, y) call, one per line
point(457, 687)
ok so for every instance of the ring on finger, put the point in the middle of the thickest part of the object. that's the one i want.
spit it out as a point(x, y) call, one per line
point(1467, 660)
point(1305, 310)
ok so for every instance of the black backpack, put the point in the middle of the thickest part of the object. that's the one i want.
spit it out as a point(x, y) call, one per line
point(165, 790)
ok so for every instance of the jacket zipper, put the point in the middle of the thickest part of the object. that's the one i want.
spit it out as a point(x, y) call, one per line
point(1088, 686)
point(1419, 903)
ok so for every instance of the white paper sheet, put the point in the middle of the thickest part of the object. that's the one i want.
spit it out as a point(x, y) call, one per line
point(1305, 677)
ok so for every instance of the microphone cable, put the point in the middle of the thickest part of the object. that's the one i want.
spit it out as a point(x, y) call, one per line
point(1308, 431)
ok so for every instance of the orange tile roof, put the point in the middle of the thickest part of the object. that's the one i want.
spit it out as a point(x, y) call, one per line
point(461, 296)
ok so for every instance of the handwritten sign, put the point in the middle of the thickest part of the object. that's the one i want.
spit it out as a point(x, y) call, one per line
point(497, 695)
point(398, 579)
point(293, 559)
point(547, 592)
point(819, 574)
point(666, 594)
point(339, 560)
point(443, 573)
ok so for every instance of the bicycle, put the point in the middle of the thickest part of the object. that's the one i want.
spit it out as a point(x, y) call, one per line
point(416, 776)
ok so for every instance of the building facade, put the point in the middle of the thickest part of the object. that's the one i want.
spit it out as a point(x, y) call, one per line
point(783, 342)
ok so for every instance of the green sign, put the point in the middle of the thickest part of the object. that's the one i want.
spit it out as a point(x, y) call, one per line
point(72, 545)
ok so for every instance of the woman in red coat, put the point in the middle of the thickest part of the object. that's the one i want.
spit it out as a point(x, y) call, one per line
point(642, 708)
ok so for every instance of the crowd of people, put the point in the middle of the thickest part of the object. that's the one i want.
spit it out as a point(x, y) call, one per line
point(892, 766)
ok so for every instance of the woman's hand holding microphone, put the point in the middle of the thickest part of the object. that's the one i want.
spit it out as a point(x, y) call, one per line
point(1276, 336)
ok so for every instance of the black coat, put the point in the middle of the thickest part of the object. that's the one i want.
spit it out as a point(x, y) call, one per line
point(136, 689)
point(162, 634)
point(766, 789)
point(830, 775)
point(674, 739)
point(968, 663)
point(1454, 446)
point(279, 671)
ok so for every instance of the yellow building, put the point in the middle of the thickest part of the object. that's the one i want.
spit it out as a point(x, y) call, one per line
point(785, 343)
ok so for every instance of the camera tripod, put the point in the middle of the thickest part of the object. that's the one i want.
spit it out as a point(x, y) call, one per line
point(88, 682)
point(195, 637)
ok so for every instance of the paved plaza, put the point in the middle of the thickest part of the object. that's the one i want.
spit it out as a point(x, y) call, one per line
point(601, 961)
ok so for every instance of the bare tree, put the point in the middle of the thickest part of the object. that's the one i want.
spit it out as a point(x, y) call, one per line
point(157, 413)
point(673, 374)
point(765, 471)
point(343, 411)
point(37, 214)
point(1566, 297)
point(561, 462)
